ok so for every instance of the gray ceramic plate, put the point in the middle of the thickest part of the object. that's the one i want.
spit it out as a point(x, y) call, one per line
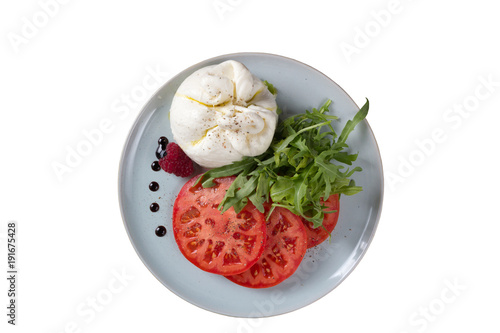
point(300, 87)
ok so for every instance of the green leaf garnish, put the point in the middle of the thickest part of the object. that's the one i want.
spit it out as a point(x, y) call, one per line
point(306, 162)
point(271, 88)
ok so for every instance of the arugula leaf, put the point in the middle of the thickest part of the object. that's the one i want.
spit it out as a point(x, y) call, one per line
point(282, 190)
point(297, 171)
point(245, 165)
point(349, 126)
point(271, 88)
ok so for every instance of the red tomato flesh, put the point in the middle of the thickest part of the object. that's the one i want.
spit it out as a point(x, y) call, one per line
point(286, 245)
point(218, 243)
point(318, 235)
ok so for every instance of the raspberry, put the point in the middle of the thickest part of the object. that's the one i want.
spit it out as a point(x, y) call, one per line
point(176, 161)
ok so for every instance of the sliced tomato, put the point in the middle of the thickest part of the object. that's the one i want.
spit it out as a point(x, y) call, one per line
point(286, 245)
point(218, 243)
point(317, 235)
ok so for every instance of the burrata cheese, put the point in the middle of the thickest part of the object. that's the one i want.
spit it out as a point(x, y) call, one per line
point(221, 113)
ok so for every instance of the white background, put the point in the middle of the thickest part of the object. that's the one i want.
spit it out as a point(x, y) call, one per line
point(432, 264)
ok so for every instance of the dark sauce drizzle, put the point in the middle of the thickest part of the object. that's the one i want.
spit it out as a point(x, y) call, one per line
point(153, 186)
point(156, 166)
point(154, 207)
point(160, 231)
point(161, 152)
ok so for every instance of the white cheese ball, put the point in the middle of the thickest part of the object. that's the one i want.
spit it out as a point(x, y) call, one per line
point(221, 113)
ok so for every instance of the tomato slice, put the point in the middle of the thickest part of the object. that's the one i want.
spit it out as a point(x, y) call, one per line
point(286, 245)
point(316, 236)
point(218, 243)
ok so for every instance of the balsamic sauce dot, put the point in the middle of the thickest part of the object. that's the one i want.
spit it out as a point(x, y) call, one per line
point(163, 141)
point(154, 207)
point(161, 152)
point(156, 166)
point(160, 231)
point(153, 186)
